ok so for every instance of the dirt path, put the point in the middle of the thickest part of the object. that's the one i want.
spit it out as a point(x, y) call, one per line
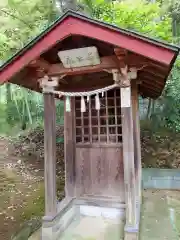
point(19, 191)
point(22, 197)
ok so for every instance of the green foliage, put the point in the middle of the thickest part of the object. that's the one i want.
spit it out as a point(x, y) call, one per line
point(171, 110)
point(173, 7)
point(23, 108)
point(137, 15)
point(166, 111)
point(21, 21)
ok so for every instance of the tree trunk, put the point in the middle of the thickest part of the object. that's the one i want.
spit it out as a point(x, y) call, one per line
point(153, 106)
point(67, 4)
point(9, 103)
point(149, 109)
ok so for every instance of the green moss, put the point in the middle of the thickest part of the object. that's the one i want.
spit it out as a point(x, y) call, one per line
point(29, 218)
point(35, 204)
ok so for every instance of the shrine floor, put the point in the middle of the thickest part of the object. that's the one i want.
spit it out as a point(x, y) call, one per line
point(91, 222)
point(93, 228)
point(160, 219)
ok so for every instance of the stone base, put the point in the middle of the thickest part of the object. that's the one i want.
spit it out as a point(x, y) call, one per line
point(131, 236)
point(51, 229)
point(132, 232)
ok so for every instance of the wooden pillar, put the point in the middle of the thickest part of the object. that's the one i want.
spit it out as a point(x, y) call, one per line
point(69, 147)
point(128, 158)
point(137, 140)
point(50, 156)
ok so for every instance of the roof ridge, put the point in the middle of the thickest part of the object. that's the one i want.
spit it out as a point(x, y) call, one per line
point(82, 16)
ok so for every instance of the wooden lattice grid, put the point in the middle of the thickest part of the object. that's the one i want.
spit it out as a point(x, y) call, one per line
point(102, 126)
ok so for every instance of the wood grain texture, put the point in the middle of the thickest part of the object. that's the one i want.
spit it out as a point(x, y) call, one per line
point(97, 171)
point(50, 155)
point(83, 171)
point(100, 172)
point(69, 148)
point(136, 136)
point(99, 164)
point(128, 160)
point(108, 62)
point(74, 26)
point(115, 172)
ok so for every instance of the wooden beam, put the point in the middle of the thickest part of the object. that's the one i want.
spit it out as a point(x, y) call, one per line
point(50, 156)
point(83, 87)
point(128, 157)
point(77, 26)
point(154, 81)
point(120, 60)
point(150, 87)
point(155, 72)
point(69, 145)
point(145, 93)
point(150, 84)
point(152, 75)
point(121, 55)
point(136, 136)
point(148, 91)
point(106, 63)
point(31, 84)
point(40, 63)
point(138, 60)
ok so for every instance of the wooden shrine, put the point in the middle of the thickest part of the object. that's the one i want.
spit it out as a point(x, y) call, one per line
point(99, 70)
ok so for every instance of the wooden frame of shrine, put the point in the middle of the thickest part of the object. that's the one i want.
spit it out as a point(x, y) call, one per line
point(99, 70)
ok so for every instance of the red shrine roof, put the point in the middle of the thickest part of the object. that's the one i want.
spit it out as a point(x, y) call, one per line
point(152, 58)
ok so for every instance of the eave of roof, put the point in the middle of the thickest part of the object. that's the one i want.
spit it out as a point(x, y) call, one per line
point(167, 52)
point(172, 47)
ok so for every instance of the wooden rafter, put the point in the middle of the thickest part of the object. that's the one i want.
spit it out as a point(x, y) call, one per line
point(158, 82)
point(149, 85)
point(40, 64)
point(39, 67)
point(154, 73)
point(74, 31)
point(108, 62)
point(144, 91)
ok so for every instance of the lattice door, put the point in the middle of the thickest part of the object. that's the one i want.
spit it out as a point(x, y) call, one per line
point(103, 126)
point(99, 162)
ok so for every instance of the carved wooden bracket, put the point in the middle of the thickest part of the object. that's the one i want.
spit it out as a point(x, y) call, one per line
point(125, 74)
point(121, 55)
point(47, 84)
